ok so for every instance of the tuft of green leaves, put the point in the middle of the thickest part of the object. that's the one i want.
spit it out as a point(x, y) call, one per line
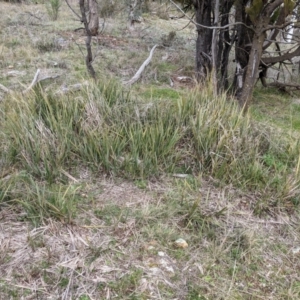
point(53, 7)
point(43, 201)
point(254, 9)
point(288, 6)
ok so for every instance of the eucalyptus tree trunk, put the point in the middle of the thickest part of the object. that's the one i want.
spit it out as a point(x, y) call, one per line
point(245, 93)
point(214, 46)
point(225, 44)
point(93, 17)
point(260, 17)
point(242, 45)
point(203, 11)
point(214, 41)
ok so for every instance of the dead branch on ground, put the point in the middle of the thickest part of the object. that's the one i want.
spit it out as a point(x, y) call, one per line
point(282, 86)
point(36, 79)
point(138, 74)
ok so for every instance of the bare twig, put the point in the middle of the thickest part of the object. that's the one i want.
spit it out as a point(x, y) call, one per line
point(138, 74)
point(5, 89)
point(34, 81)
point(210, 27)
point(74, 12)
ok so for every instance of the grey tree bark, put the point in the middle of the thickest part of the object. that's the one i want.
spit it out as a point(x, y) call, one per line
point(93, 17)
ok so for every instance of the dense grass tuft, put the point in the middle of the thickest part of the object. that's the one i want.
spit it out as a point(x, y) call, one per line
point(106, 129)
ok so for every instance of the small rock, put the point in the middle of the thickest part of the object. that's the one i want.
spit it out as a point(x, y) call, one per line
point(181, 175)
point(296, 250)
point(181, 243)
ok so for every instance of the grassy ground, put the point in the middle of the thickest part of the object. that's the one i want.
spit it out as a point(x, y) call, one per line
point(98, 185)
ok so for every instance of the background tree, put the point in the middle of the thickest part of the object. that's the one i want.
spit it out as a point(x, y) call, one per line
point(93, 17)
point(203, 10)
point(135, 8)
point(260, 13)
point(89, 55)
point(253, 27)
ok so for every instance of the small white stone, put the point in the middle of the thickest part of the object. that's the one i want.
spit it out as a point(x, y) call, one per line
point(181, 243)
point(296, 250)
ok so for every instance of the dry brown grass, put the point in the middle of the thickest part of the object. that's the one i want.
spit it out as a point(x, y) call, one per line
point(129, 253)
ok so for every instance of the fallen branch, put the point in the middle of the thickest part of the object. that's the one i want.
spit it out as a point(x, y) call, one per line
point(284, 85)
point(138, 74)
point(36, 79)
point(33, 82)
point(5, 89)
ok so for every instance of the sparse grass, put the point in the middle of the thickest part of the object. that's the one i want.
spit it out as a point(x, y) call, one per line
point(276, 108)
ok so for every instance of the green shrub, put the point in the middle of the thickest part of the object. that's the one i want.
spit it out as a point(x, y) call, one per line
point(53, 7)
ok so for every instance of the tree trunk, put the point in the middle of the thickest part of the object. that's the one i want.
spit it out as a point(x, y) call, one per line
point(203, 45)
point(89, 56)
point(224, 45)
point(93, 17)
point(244, 97)
point(214, 46)
point(242, 45)
point(260, 17)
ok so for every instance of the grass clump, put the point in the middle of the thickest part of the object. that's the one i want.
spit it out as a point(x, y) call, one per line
point(48, 45)
point(106, 129)
point(50, 201)
point(53, 7)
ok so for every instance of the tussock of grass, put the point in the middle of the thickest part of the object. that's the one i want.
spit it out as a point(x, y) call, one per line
point(106, 129)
